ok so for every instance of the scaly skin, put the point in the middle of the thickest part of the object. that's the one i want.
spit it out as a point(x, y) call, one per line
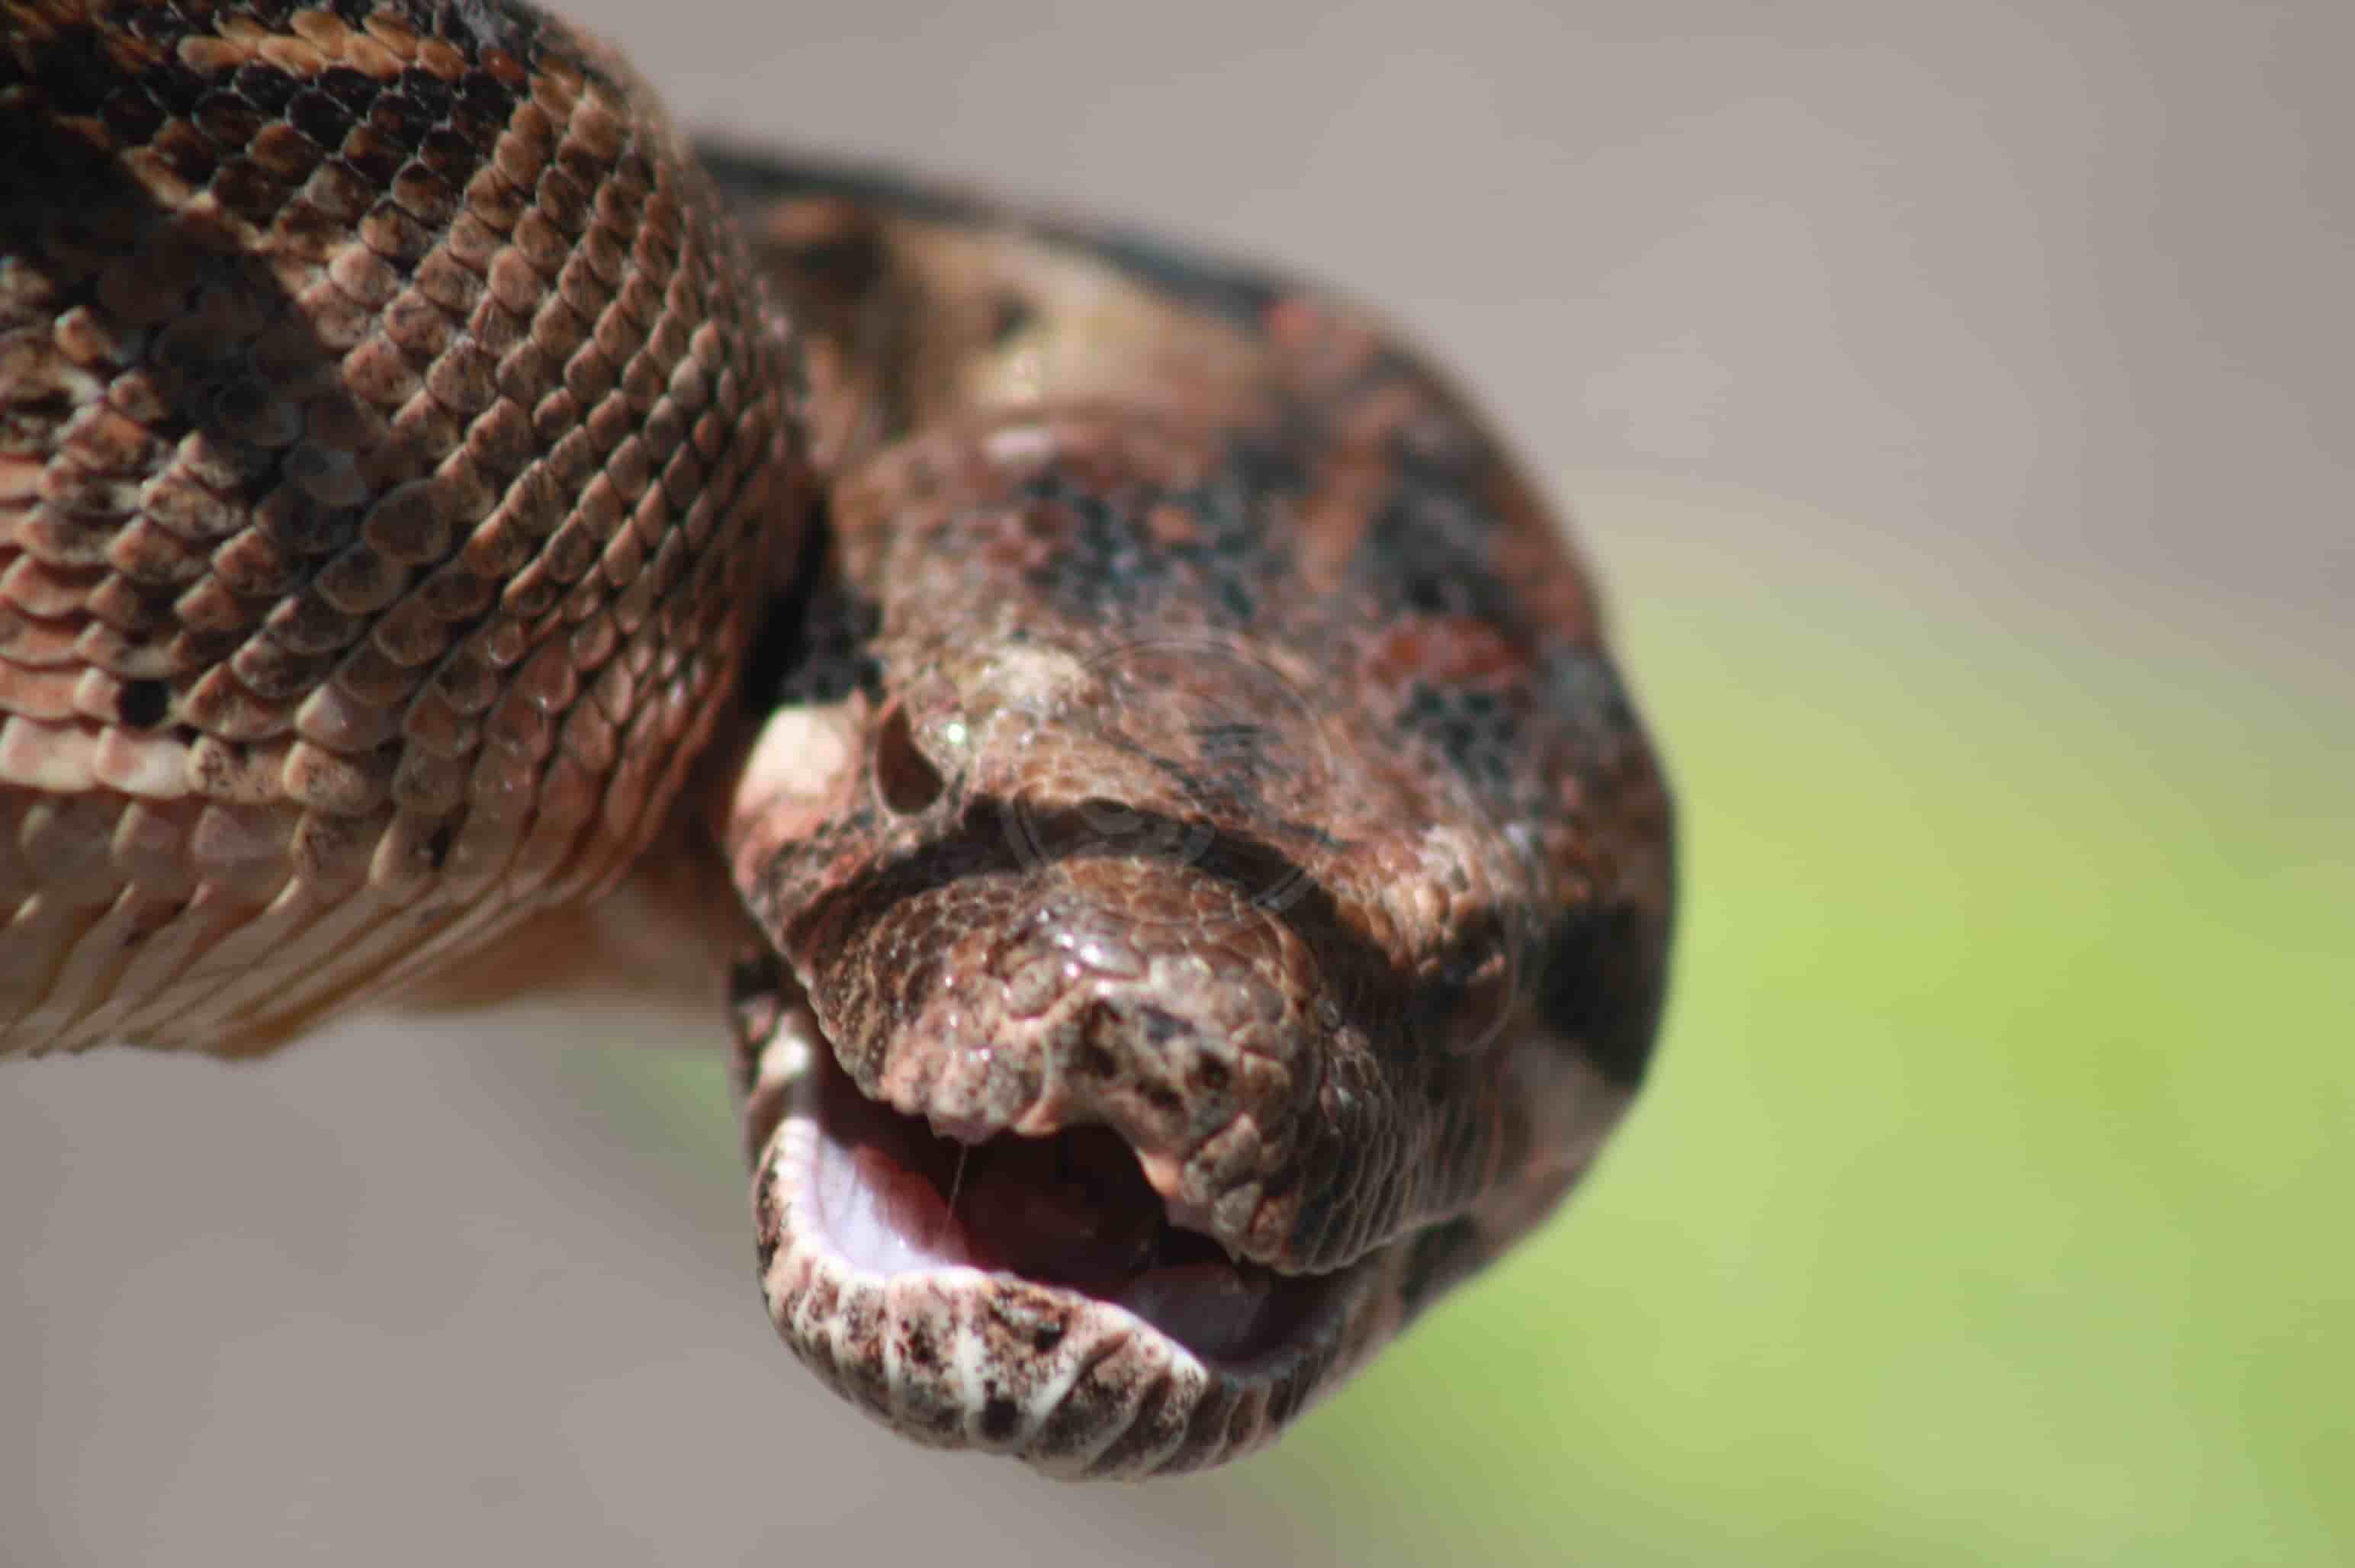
point(390, 427)
point(1177, 841)
point(1214, 742)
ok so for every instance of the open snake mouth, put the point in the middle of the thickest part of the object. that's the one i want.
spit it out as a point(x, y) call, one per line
point(1029, 1294)
point(1072, 1210)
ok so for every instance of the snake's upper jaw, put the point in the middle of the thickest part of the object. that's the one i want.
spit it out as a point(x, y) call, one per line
point(1085, 1120)
point(1030, 1296)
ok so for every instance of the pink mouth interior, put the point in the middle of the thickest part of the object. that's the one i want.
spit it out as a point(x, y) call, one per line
point(1072, 1210)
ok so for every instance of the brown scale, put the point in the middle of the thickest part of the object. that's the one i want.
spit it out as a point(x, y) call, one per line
point(1198, 844)
point(1238, 767)
point(387, 434)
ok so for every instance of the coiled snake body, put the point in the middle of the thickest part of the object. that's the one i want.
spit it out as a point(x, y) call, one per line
point(1189, 881)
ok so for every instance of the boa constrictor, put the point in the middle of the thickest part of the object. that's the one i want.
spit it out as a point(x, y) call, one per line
point(1188, 879)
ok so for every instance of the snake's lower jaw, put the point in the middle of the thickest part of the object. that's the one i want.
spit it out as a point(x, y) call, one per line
point(1025, 1296)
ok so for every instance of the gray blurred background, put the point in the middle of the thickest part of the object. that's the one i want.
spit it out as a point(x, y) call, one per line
point(2049, 297)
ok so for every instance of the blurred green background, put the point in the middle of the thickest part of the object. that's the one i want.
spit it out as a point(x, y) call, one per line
point(1989, 1199)
point(1987, 1202)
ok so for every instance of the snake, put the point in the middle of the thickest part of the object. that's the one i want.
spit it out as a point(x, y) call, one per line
point(1119, 745)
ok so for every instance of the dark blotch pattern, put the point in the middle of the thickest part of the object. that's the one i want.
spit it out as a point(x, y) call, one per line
point(394, 447)
point(1226, 563)
point(1602, 978)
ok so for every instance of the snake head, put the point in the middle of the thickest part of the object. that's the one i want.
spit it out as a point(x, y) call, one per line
point(1147, 1026)
point(1211, 891)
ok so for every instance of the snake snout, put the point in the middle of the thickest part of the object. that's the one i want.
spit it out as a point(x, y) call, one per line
point(1041, 1000)
point(1013, 1242)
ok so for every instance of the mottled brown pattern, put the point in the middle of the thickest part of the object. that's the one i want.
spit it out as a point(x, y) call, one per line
point(387, 432)
point(1182, 772)
point(1235, 763)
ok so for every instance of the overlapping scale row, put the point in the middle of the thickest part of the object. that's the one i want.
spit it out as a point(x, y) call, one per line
point(391, 455)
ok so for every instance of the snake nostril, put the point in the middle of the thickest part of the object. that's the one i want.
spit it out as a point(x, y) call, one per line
point(905, 778)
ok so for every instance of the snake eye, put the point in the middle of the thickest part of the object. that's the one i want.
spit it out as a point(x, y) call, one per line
point(905, 779)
